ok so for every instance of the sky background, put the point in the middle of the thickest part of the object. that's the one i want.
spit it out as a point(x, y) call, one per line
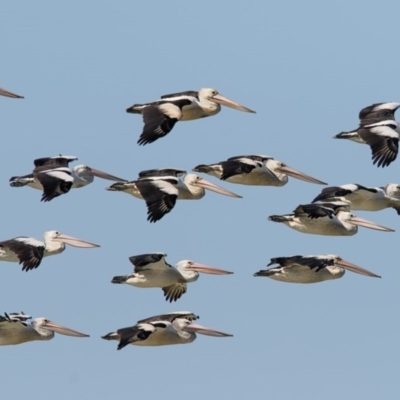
point(307, 68)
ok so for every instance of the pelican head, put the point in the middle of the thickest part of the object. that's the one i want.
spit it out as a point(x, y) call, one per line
point(339, 262)
point(46, 329)
point(190, 270)
point(87, 173)
point(214, 96)
point(282, 171)
point(55, 236)
point(348, 218)
point(195, 182)
point(187, 326)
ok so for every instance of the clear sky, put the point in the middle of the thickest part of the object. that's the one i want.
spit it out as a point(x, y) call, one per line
point(307, 68)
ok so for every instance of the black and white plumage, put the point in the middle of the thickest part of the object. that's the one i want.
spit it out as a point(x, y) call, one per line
point(258, 170)
point(364, 198)
point(166, 329)
point(15, 330)
point(311, 269)
point(161, 190)
point(379, 130)
point(151, 270)
point(160, 116)
point(29, 251)
point(333, 219)
point(54, 177)
point(6, 93)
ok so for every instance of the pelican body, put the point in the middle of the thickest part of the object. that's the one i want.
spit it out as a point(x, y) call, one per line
point(160, 116)
point(160, 190)
point(53, 176)
point(29, 251)
point(162, 330)
point(332, 219)
point(364, 198)
point(6, 93)
point(15, 330)
point(151, 270)
point(311, 269)
point(255, 170)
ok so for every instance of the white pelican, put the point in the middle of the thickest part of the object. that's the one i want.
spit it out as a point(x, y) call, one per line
point(54, 177)
point(6, 93)
point(151, 270)
point(364, 198)
point(326, 219)
point(29, 251)
point(160, 116)
point(311, 269)
point(258, 170)
point(160, 190)
point(15, 330)
point(161, 330)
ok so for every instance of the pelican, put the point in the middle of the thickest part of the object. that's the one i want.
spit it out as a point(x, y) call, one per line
point(161, 330)
point(151, 270)
point(364, 198)
point(6, 93)
point(15, 330)
point(311, 269)
point(54, 177)
point(257, 170)
point(160, 116)
point(373, 114)
point(331, 219)
point(160, 188)
point(29, 251)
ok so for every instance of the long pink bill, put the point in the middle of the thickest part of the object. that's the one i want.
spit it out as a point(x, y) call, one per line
point(215, 188)
point(75, 242)
point(63, 330)
point(6, 93)
point(205, 269)
point(369, 224)
point(205, 331)
point(300, 175)
point(230, 103)
point(355, 268)
point(104, 175)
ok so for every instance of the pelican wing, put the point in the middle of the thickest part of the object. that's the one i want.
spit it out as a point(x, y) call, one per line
point(171, 317)
point(378, 112)
point(188, 93)
point(30, 256)
point(162, 172)
point(60, 161)
point(55, 181)
point(160, 196)
point(253, 157)
point(131, 334)
point(175, 291)
point(384, 143)
point(350, 190)
point(313, 211)
point(235, 167)
point(149, 261)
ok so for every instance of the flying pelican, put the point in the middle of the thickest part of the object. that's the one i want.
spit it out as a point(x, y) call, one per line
point(160, 188)
point(373, 114)
point(311, 269)
point(15, 330)
point(332, 219)
point(364, 198)
point(6, 93)
point(160, 116)
point(54, 177)
point(151, 270)
point(257, 170)
point(161, 330)
point(29, 251)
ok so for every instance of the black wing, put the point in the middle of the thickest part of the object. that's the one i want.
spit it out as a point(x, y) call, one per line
point(191, 93)
point(142, 260)
point(314, 211)
point(369, 115)
point(233, 167)
point(53, 186)
point(252, 157)
point(170, 317)
point(175, 291)
point(158, 202)
point(54, 161)
point(337, 191)
point(384, 148)
point(29, 256)
point(162, 172)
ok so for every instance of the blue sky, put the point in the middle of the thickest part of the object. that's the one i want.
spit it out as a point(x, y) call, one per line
point(307, 68)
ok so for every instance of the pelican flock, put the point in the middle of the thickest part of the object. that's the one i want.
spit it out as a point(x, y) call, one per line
point(329, 214)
